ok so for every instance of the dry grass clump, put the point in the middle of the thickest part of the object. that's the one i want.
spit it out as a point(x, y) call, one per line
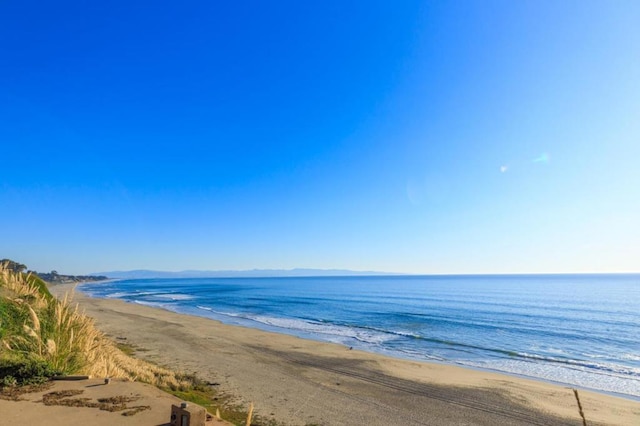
point(109, 361)
point(57, 333)
point(20, 285)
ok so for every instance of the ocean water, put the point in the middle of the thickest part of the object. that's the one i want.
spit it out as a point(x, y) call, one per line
point(578, 330)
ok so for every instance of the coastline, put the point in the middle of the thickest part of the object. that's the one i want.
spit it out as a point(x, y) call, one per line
point(300, 381)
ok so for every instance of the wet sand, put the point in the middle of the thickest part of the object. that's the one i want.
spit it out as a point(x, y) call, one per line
point(304, 382)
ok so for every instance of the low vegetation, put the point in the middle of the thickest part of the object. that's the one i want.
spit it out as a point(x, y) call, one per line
point(42, 337)
point(49, 337)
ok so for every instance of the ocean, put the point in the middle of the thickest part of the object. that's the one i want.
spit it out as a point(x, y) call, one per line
point(577, 330)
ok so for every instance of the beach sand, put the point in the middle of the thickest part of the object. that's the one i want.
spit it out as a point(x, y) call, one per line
point(304, 382)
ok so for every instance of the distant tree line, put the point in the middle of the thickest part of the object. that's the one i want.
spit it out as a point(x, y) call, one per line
point(13, 266)
point(52, 277)
point(55, 278)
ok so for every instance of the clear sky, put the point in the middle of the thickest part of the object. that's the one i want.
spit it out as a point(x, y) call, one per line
point(419, 137)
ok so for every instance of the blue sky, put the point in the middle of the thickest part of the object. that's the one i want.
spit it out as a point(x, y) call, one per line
point(419, 137)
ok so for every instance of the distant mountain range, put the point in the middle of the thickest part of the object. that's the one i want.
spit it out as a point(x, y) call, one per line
point(298, 272)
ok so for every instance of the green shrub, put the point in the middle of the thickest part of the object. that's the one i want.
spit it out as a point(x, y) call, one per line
point(12, 316)
point(25, 372)
point(8, 381)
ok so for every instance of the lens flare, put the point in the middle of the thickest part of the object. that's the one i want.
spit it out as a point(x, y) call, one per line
point(543, 158)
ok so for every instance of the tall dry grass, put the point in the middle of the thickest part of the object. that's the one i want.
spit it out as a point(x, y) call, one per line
point(57, 332)
point(19, 284)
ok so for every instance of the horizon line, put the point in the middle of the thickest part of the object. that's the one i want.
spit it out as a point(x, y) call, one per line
point(317, 272)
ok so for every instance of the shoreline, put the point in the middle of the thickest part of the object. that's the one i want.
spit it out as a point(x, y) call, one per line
point(302, 381)
point(309, 336)
point(260, 326)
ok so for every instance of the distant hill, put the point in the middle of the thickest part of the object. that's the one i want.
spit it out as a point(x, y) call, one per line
point(298, 272)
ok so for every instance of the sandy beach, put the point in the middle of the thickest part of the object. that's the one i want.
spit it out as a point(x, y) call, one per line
point(303, 382)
